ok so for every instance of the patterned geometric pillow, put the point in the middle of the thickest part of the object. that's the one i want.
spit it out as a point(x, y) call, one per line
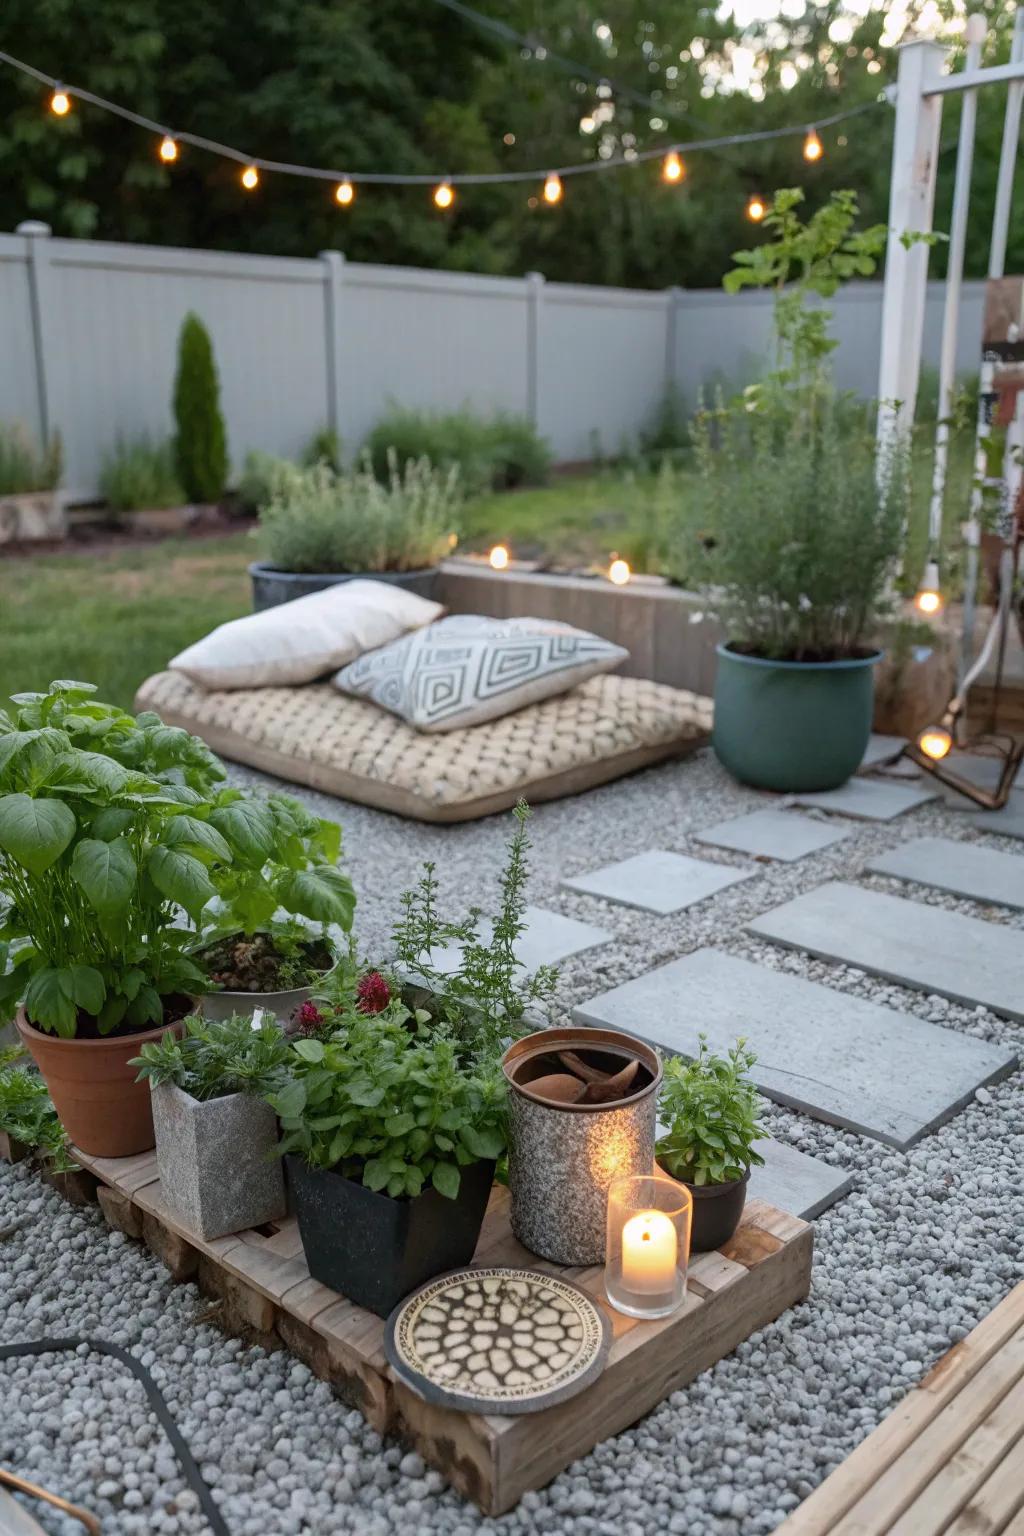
point(467, 669)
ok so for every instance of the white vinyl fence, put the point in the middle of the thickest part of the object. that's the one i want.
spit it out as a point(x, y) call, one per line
point(88, 334)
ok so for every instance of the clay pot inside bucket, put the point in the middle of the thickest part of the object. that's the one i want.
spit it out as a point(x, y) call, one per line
point(105, 1112)
point(567, 1143)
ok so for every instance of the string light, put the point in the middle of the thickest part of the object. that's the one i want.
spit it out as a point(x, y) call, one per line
point(60, 101)
point(168, 149)
point(756, 209)
point(250, 178)
point(553, 188)
point(935, 742)
point(813, 147)
point(928, 599)
point(444, 194)
point(672, 169)
point(344, 193)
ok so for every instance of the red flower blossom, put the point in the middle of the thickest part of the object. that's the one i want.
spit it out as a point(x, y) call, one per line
point(372, 993)
point(306, 1018)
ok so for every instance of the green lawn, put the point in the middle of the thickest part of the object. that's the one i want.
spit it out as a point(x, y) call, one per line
point(114, 618)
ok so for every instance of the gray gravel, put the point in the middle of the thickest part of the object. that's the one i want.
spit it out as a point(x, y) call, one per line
point(906, 1265)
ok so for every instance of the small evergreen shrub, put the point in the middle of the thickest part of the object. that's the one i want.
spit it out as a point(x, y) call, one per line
point(496, 453)
point(24, 466)
point(317, 520)
point(139, 475)
point(200, 446)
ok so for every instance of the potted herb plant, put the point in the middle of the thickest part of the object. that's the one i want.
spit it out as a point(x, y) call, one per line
point(791, 529)
point(103, 848)
point(216, 1137)
point(27, 1116)
point(30, 503)
point(710, 1108)
point(284, 859)
point(322, 527)
point(390, 1147)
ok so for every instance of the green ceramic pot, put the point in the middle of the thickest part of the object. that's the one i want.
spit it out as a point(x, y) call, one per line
point(794, 726)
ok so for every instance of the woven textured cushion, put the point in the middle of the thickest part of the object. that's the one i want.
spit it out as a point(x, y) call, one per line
point(468, 669)
point(350, 748)
point(298, 641)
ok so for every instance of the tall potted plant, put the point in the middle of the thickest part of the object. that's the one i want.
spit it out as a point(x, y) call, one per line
point(104, 843)
point(791, 529)
point(30, 503)
point(709, 1107)
point(285, 860)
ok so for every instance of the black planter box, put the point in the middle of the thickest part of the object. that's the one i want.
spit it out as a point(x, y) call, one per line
point(271, 586)
point(376, 1250)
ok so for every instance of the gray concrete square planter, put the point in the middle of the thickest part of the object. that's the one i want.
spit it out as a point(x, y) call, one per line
point(218, 1165)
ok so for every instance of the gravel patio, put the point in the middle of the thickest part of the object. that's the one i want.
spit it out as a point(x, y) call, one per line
point(905, 1265)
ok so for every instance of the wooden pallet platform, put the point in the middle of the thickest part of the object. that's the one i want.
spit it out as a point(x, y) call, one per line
point(265, 1288)
point(948, 1460)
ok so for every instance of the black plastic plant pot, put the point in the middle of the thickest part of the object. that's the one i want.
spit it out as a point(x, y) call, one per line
point(376, 1250)
point(717, 1209)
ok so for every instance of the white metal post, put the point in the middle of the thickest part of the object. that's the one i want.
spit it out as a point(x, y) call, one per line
point(534, 337)
point(334, 344)
point(911, 201)
point(954, 280)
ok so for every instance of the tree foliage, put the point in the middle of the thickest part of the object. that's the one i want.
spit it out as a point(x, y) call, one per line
point(407, 85)
point(200, 446)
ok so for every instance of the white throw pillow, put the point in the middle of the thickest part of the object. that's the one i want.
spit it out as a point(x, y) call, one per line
point(298, 641)
point(468, 669)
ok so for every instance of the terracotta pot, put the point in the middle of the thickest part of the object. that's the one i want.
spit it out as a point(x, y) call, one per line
point(105, 1112)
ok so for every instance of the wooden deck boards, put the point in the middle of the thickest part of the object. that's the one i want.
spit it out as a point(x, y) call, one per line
point(948, 1460)
point(265, 1287)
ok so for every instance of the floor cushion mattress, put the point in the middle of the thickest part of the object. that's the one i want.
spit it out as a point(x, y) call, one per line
point(351, 748)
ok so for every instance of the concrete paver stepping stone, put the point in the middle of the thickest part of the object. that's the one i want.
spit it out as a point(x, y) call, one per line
point(881, 749)
point(841, 1059)
point(1008, 822)
point(773, 834)
point(550, 938)
point(964, 958)
point(657, 881)
point(964, 869)
point(869, 799)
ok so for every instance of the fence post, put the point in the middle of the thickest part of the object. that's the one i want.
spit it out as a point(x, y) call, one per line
point(911, 199)
point(672, 297)
point(334, 295)
point(41, 311)
point(534, 301)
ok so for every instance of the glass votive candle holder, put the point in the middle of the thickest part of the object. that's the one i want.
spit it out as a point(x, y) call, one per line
point(648, 1249)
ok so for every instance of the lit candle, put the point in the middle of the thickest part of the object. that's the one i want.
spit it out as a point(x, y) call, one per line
point(498, 558)
point(649, 1253)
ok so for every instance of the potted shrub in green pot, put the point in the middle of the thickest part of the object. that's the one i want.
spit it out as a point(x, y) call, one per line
point(390, 1143)
point(104, 847)
point(793, 530)
point(284, 859)
point(321, 528)
point(216, 1137)
point(709, 1108)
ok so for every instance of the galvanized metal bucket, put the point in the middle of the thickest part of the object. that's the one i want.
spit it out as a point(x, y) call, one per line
point(562, 1157)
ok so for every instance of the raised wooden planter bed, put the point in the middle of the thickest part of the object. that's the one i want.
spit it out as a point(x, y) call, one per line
point(265, 1291)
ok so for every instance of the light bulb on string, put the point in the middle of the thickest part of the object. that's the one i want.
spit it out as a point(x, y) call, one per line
point(672, 168)
point(928, 598)
point(168, 149)
point(60, 101)
point(813, 147)
point(756, 209)
point(444, 195)
point(553, 188)
point(344, 193)
point(250, 178)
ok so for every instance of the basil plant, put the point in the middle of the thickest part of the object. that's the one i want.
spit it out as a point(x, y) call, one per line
point(116, 831)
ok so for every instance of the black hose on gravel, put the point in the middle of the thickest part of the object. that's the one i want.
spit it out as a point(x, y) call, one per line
point(193, 1476)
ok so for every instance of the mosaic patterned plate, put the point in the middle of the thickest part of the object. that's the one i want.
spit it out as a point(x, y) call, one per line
point(498, 1340)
